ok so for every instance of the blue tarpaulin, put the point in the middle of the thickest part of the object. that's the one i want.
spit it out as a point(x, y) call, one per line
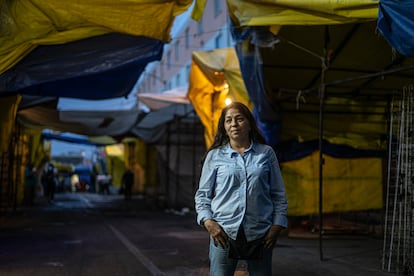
point(100, 67)
point(70, 138)
point(396, 24)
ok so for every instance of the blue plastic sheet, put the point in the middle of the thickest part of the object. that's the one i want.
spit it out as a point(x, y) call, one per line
point(396, 24)
point(101, 67)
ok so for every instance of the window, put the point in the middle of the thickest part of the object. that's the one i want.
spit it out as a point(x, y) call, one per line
point(177, 80)
point(218, 40)
point(187, 73)
point(168, 60)
point(187, 38)
point(200, 27)
point(177, 50)
point(217, 7)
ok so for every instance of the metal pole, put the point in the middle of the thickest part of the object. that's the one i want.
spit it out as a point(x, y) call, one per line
point(322, 90)
point(389, 165)
point(321, 162)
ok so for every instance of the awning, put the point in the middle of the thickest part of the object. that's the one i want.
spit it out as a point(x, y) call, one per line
point(100, 67)
point(157, 101)
point(215, 75)
point(90, 123)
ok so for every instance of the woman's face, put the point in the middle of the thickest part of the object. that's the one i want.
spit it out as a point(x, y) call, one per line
point(236, 125)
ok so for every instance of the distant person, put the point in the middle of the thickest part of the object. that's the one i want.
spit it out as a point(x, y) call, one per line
point(241, 197)
point(49, 179)
point(29, 184)
point(104, 182)
point(127, 183)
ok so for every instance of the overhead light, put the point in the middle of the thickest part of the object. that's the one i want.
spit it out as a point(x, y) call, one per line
point(227, 101)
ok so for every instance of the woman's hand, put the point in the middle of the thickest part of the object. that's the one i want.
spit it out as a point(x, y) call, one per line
point(218, 235)
point(270, 239)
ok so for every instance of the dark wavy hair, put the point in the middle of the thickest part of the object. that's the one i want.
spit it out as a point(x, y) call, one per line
point(221, 137)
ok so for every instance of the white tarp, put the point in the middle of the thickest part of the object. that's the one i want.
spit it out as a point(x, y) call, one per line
point(157, 101)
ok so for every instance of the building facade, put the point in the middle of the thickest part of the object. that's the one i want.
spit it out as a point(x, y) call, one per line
point(188, 35)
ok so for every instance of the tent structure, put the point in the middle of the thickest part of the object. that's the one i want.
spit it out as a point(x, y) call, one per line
point(156, 101)
point(322, 77)
point(175, 130)
point(94, 51)
point(67, 52)
point(50, 50)
point(215, 76)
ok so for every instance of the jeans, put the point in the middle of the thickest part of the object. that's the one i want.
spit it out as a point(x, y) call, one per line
point(221, 265)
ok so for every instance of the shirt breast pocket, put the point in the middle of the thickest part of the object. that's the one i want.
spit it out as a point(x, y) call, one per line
point(228, 173)
point(260, 172)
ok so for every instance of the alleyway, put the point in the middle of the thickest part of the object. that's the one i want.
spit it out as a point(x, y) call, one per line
point(92, 234)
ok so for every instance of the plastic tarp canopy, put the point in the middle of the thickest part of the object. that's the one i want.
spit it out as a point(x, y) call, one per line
point(352, 177)
point(347, 168)
point(290, 56)
point(89, 123)
point(81, 50)
point(155, 101)
point(28, 24)
point(100, 67)
point(396, 24)
point(290, 50)
point(9, 106)
point(214, 76)
point(70, 138)
point(55, 48)
point(153, 127)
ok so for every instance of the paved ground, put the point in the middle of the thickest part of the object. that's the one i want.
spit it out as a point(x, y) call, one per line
point(91, 234)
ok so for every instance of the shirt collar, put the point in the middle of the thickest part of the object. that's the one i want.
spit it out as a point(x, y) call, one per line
point(230, 151)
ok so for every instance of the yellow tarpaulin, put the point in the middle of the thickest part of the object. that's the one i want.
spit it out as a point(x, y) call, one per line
point(214, 77)
point(8, 107)
point(363, 128)
point(301, 12)
point(348, 184)
point(27, 24)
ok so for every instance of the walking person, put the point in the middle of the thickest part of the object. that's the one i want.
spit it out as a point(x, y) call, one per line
point(30, 180)
point(49, 179)
point(127, 183)
point(241, 198)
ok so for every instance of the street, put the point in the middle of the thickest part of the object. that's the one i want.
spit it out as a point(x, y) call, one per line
point(93, 234)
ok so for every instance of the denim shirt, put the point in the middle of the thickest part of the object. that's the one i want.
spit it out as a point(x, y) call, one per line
point(242, 190)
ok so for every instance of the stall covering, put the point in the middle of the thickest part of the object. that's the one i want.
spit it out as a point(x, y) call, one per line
point(215, 76)
point(70, 138)
point(28, 24)
point(8, 106)
point(68, 52)
point(155, 101)
point(81, 50)
point(395, 23)
point(164, 108)
point(89, 123)
point(174, 129)
point(290, 50)
point(292, 54)
point(100, 67)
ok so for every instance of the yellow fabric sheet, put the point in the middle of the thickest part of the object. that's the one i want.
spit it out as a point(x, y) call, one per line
point(348, 184)
point(345, 122)
point(26, 24)
point(214, 76)
point(301, 12)
point(8, 107)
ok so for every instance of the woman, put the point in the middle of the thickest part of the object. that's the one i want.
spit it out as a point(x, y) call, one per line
point(241, 198)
